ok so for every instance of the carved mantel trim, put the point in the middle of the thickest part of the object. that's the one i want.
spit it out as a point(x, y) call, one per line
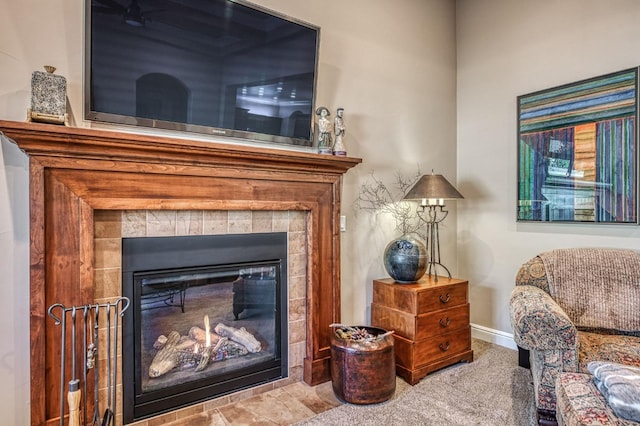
point(74, 171)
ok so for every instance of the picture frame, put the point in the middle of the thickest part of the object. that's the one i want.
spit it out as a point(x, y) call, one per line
point(577, 151)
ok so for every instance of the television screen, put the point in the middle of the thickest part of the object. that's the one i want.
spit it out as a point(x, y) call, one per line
point(218, 67)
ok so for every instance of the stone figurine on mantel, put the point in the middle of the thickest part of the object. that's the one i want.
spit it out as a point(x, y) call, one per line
point(339, 130)
point(48, 97)
point(324, 131)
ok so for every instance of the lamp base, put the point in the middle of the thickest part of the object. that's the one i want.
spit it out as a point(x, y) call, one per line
point(434, 215)
point(432, 271)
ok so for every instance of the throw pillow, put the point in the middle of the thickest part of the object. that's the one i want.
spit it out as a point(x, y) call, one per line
point(620, 385)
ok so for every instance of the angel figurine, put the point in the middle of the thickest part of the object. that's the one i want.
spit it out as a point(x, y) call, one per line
point(324, 131)
point(339, 130)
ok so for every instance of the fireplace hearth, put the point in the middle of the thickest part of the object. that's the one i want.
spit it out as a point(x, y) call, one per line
point(209, 317)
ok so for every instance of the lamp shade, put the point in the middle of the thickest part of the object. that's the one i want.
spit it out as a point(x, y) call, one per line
point(433, 187)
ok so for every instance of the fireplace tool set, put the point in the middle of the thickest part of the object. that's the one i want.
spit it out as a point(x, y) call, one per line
point(85, 334)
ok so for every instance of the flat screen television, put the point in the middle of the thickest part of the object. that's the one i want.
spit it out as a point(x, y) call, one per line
point(218, 67)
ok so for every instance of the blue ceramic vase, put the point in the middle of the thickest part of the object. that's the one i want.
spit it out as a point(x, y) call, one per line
point(405, 259)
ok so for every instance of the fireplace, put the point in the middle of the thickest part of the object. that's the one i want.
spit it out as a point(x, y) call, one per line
point(209, 318)
point(75, 171)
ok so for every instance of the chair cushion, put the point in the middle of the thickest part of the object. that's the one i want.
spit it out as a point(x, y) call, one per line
point(607, 347)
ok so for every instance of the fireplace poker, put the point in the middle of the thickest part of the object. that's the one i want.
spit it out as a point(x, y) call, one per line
point(63, 339)
point(96, 376)
point(119, 308)
point(85, 355)
point(108, 413)
point(74, 394)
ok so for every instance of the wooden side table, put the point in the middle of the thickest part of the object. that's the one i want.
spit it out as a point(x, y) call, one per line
point(431, 323)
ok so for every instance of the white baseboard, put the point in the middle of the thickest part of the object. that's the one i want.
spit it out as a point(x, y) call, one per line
point(494, 336)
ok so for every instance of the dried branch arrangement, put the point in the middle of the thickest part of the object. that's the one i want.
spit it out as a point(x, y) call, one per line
point(375, 196)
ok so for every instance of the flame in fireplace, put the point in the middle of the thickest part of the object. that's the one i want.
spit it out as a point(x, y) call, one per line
point(207, 338)
point(207, 329)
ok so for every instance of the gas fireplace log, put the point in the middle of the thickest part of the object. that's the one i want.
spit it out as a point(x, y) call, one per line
point(188, 352)
point(200, 335)
point(241, 336)
point(165, 359)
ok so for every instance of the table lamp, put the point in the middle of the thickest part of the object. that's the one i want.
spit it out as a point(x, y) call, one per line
point(432, 191)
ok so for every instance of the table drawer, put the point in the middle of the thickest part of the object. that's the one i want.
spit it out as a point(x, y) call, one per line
point(427, 295)
point(443, 297)
point(421, 326)
point(412, 355)
point(443, 321)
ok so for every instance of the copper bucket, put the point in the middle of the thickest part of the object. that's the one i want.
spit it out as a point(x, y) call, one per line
point(363, 372)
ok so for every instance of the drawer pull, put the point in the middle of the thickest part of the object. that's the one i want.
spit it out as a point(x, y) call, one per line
point(444, 348)
point(446, 300)
point(444, 324)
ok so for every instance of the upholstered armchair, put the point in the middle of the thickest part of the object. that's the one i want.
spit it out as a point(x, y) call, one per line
point(573, 306)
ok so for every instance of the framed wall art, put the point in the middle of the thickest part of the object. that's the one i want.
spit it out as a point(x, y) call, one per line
point(577, 151)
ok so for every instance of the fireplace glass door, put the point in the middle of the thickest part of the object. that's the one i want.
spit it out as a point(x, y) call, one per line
point(202, 330)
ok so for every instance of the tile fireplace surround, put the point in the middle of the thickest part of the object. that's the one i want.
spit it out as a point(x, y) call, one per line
point(74, 172)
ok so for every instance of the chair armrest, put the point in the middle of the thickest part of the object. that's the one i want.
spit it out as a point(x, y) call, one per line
point(538, 322)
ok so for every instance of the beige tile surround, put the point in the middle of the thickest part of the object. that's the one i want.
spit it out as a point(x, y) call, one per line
point(110, 226)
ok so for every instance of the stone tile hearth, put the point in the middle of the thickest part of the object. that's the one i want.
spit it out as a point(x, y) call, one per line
point(281, 406)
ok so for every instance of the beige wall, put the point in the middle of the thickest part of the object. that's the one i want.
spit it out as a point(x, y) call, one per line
point(392, 66)
point(389, 64)
point(508, 48)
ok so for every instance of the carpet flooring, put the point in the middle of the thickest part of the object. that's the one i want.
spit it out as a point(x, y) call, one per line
point(490, 391)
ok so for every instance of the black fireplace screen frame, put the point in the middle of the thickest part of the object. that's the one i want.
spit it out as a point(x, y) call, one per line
point(147, 254)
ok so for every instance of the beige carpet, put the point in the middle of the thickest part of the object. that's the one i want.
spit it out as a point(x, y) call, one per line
point(491, 391)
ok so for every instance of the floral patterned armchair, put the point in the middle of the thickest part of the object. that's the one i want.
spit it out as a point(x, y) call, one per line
point(573, 306)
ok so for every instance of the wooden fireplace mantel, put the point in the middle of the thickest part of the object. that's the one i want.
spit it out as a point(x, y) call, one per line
point(74, 171)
